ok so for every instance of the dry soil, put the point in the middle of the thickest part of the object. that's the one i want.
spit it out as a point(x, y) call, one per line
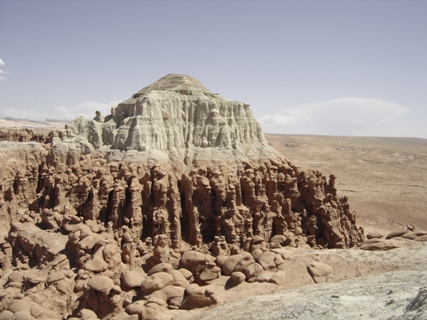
point(385, 179)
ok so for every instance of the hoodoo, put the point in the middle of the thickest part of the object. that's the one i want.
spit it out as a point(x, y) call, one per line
point(172, 190)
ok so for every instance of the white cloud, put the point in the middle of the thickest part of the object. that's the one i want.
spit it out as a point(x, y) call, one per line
point(86, 109)
point(22, 114)
point(343, 116)
point(1, 70)
point(278, 119)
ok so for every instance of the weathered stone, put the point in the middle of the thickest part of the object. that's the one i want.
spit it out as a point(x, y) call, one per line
point(237, 277)
point(124, 316)
point(136, 307)
point(279, 239)
point(132, 278)
point(154, 311)
point(96, 263)
point(23, 315)
point(279, 278)
point(187, 274)
point(267, 260)
point(396, 234)
point(19, 305)
point(209, 272)
point(172, 295)
point(55, 276)
point(179, 279)
point(161, 267)
point(421, 238)
point(374, 235)
point(230, 263)
point(191, 258)
point(6, 315)
point(253, 271)
point(87, 314)
point(156, 281)
point(319, 271)
point(380, 245)
point(101, 283)
point(201, 296)
point(244, 262)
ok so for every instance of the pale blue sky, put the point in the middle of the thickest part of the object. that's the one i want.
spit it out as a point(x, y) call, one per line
point(313, 67)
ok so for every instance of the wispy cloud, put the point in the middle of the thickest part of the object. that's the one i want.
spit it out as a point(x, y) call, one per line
point(2, 72)
point(22, 114)
point(343, 116)
point(86, 109)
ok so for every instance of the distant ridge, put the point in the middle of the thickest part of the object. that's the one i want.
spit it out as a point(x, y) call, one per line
point(34, 121)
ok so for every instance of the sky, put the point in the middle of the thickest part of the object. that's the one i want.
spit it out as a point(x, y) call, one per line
point(353, 68)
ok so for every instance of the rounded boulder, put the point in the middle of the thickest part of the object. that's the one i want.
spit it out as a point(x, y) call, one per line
point(156, 282)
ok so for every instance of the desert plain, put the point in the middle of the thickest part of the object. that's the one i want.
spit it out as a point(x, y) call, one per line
point(384, 178)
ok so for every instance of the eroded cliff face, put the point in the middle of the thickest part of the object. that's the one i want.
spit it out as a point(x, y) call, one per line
point(177, 119)
point(19, 177)
point(151, 202)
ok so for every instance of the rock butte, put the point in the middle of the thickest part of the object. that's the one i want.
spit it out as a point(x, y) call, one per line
point(142, 213)
point(177, 121)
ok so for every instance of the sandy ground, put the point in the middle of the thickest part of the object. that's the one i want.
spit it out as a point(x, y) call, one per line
point(385, 179)
point(43, 127)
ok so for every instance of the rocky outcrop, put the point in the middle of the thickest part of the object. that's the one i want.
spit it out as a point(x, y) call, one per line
point(155, 203)
point(177, 119)
point(22, 164)
point(406, 238)
point(20, 135)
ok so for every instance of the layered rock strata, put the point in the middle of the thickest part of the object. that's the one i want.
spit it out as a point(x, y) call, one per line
point(177, 120)
point(173, 190)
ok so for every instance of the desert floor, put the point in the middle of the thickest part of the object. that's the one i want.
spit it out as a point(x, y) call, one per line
point(43, 127)
point(385, 179)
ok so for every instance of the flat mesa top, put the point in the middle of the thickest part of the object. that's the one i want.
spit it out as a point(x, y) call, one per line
point(176, 82)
